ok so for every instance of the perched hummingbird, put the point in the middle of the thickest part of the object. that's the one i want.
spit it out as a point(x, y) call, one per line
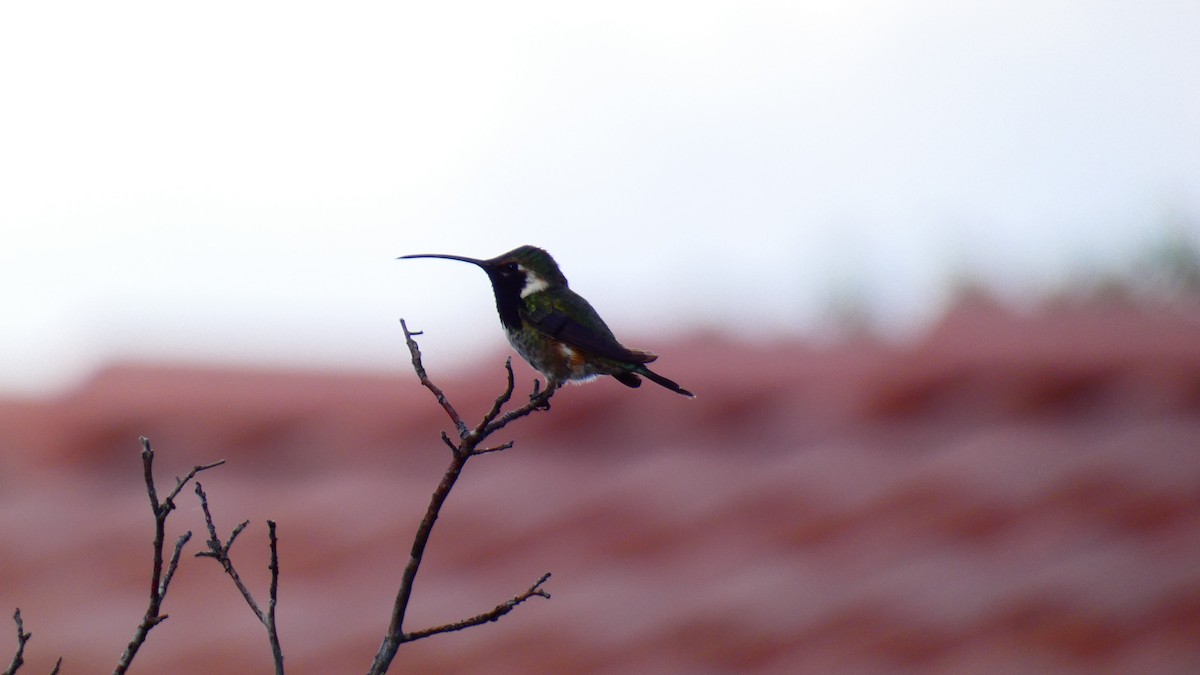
point(553, 327)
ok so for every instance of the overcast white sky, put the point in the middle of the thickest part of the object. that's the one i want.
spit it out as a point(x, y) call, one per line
point(230, 181)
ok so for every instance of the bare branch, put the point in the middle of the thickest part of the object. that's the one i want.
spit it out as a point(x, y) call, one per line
point(494, 448)
point(537, 401)
point(493, 615)
point(181, 482)
point(437, 392)
point(18, 658)
point(272, 633)
point(503, 397)
point(460, 453)
point(22, 637)
point(395, 633)
point(166, 581)
point(159, 581)
point(220, 552)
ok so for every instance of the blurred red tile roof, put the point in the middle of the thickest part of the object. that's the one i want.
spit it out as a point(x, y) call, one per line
point(1015, 493)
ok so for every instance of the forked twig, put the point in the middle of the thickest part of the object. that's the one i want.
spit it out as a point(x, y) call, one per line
point(160, 579)
point(467, 447)
point(220, 552)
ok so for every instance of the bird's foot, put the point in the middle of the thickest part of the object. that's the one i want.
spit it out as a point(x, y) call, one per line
point(541, 398)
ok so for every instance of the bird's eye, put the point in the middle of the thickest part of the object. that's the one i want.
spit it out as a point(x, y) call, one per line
point(511, 267)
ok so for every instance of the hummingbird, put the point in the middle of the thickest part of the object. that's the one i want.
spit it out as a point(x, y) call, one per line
point(552, 327)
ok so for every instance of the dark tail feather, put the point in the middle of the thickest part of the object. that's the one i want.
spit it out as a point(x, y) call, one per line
point(659, 379)
point(629, 380)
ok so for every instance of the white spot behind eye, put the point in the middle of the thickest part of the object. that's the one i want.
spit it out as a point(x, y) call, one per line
point(533, 284)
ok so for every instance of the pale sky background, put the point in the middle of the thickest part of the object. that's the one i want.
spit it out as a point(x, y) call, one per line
point(229, 182)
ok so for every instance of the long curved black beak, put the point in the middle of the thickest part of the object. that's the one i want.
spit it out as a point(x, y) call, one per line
point(473, 261)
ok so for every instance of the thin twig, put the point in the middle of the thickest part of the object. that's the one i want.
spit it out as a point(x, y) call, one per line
point(437, 392)
point(220, 552)
point(495, 448)
point(460, 453)
point(272, 632)
point(159, 581)
point(22, 637)
point(166, 581)
point(493, 615)
point(537, 401)
point(509, 386)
